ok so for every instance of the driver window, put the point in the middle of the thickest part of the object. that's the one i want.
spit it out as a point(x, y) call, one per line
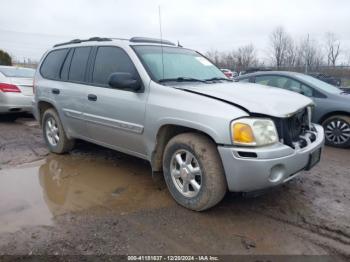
point(292, 85)
point(306, 90)
point(275, 81)
point(298, 87)
point(110, 60)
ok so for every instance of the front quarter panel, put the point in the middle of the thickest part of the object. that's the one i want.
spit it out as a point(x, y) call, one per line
point(171, 106)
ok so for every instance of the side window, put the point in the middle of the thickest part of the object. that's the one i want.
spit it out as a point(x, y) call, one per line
point(110, 60)
point(292, 85)
point(307, 91)
point(66, 65)
point(284, 83)
point(275, 81)
point(278, 81)
point(78, 64)
point(245, 80)
point(52, 64)
point(298, 87)
point(265, 80)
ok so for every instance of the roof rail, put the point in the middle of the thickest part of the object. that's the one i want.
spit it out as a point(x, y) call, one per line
point(77, 41)
point(150, 40)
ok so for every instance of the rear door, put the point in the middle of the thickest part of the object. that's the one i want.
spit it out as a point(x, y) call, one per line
point(71, 94)
point(114, 117)
point(63, 82)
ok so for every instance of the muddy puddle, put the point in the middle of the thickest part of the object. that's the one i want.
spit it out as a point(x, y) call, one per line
point(34, 194)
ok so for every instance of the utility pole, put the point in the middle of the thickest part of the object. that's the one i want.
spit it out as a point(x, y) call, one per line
point(307, 53)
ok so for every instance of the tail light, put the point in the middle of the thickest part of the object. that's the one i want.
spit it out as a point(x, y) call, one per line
point(8, 88)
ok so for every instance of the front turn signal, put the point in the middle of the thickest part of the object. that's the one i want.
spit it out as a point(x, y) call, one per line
point(242, 134)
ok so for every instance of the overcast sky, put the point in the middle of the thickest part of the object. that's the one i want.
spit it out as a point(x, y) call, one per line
point(29, 27)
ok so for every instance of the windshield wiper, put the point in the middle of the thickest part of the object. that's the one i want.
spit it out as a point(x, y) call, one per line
point(180, 79)
point(218, 79)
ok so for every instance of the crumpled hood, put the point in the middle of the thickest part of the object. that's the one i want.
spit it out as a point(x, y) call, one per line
point(254, 98)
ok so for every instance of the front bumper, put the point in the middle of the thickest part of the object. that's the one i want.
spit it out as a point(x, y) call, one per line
point(270, 166)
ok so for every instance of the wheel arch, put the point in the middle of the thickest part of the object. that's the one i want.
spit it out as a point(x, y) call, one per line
point(164, 134)
point(42, 106)
point(333, 113)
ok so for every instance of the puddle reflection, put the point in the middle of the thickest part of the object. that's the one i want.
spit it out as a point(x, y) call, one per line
point(32, 195)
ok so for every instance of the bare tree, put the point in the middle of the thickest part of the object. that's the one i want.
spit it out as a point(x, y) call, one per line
point(279, 43)
point(245, 56)
point(214, 56)
point(332, 48)
point(291, 54)
point(310, 54)
point(299, 54)
point(240, 59)
point(227, 60)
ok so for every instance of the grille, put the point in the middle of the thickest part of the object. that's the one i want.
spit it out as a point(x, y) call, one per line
point(297, 124)
point(294, 129)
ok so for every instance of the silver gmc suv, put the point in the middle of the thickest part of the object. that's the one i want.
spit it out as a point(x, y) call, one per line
point(171, 106)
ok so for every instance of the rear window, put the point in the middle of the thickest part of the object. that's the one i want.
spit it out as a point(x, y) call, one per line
point(52, 64)
point(78, 64)
point(18, 72)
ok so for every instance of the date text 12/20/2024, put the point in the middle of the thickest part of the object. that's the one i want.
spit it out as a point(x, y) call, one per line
point(173, 258)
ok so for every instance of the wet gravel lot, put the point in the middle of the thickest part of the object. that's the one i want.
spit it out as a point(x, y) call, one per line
point(98, 201)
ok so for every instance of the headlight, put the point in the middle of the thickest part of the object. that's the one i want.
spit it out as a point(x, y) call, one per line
point(253, 132)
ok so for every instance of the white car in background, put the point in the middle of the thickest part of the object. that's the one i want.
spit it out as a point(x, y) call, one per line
point(16, 89)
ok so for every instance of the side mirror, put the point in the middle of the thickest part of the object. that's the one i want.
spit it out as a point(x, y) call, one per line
point(124, 81)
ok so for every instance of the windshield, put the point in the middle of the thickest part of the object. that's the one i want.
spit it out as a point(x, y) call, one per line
point(179, 63)
point(320, 84)
point(17, 72)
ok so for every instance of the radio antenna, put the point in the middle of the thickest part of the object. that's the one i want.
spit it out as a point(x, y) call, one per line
point(161, 37)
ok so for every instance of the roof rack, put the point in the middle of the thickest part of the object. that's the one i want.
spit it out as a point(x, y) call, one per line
point(77, 41)
point(150, 40)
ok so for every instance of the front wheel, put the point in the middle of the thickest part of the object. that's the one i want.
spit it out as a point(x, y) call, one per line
point(193, 171)
point(337, 131)
point(54, 134)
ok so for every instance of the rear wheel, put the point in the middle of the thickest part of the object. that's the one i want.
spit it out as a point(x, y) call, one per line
point(337, 131)
point(54, 134)
point(193, 171)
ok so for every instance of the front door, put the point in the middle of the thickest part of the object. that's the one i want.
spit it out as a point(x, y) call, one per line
point(114, 117)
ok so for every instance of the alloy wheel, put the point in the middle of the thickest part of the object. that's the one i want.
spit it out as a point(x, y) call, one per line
point(52, 131)
point(338, 131)
point(186, 173)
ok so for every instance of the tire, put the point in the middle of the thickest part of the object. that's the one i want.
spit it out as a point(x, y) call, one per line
point(63, 144)
point(210, 178)
point(337, 131)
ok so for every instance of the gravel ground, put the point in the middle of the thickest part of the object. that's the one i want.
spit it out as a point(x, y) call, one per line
point(97, 201)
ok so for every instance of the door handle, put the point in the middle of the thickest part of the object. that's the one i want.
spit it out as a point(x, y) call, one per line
point(92, 97)
point(55, 91)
